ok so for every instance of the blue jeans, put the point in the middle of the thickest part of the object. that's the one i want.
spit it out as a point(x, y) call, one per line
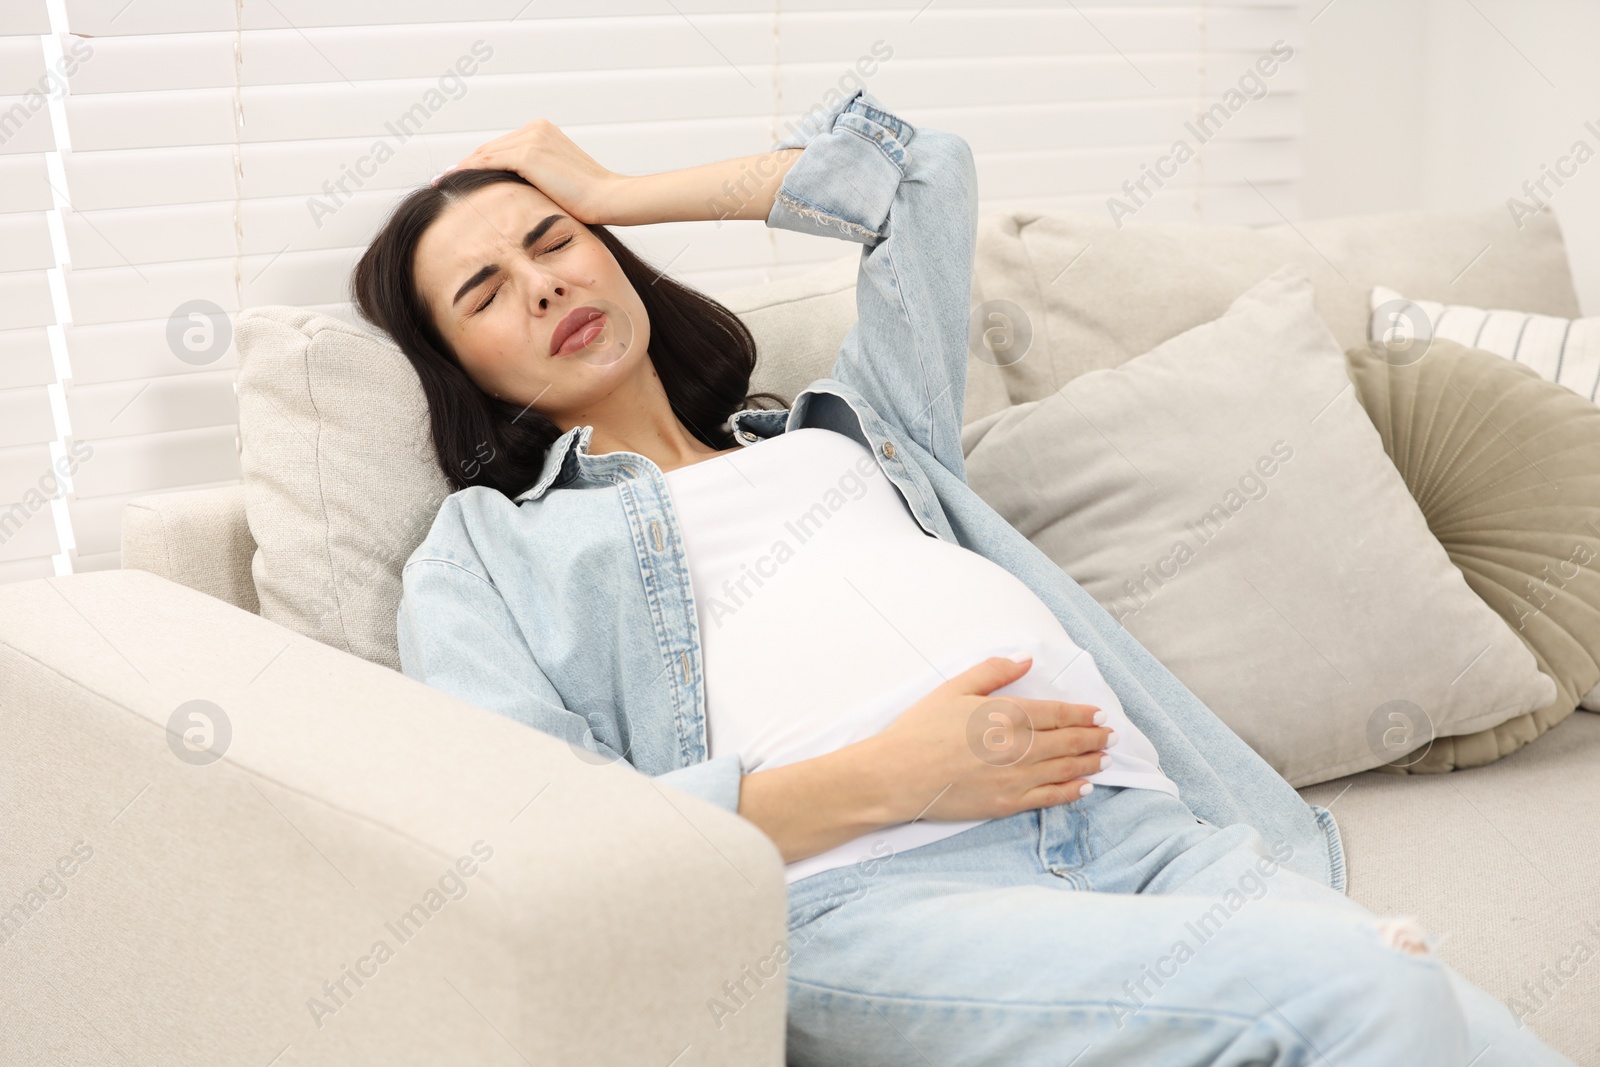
point(1118, 929)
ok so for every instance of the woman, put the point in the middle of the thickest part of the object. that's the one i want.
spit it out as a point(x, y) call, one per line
point(1011, 835)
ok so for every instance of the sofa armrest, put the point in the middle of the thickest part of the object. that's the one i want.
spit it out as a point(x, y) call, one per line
point(367, 870)
point(196, 537)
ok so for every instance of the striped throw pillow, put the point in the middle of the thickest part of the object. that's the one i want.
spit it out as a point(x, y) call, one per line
point(1564, 351)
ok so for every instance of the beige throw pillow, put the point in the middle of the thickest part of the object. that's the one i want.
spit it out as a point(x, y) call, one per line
point(340, 476)
point(799, 323)
point(1094, 296)
point(1227, 498)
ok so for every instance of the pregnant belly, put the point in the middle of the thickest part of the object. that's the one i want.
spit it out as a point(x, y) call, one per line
point(836, 645)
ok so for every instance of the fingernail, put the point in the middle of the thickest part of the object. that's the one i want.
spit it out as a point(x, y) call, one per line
point(1088, 787)
point(1105, 761)
point(1111, 739)
point(1100, 717)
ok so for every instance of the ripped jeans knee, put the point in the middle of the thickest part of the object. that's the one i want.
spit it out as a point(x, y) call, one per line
point(1404, 933)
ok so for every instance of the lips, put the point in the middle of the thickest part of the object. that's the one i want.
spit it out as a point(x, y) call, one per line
point(579, 320)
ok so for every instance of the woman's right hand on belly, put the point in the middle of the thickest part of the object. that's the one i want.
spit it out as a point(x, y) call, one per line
point(960, 753)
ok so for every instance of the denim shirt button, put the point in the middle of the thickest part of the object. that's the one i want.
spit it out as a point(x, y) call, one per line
point(747, 435)
point(888, 449)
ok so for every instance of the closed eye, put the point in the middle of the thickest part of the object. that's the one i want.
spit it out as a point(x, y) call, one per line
point(490, 299)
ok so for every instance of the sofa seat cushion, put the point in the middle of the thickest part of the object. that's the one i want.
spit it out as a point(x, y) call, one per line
point(1500, 863)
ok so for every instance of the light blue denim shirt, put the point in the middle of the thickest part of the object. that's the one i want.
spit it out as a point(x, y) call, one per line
point(570, 608)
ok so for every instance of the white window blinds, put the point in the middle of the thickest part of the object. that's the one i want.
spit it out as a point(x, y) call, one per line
point(28, 430)
point(222, 154)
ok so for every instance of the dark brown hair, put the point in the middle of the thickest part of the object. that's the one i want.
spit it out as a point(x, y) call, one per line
point(704, 354)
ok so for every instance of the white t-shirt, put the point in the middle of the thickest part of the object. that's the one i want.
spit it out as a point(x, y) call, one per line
point(825, 611)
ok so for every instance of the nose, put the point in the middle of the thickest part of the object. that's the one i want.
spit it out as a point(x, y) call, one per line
point(541, 291)
point(539, 284)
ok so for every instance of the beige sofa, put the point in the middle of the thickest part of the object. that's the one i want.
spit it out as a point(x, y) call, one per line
point(231, 912)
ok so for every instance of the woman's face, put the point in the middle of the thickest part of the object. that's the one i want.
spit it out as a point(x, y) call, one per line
point(499, 270)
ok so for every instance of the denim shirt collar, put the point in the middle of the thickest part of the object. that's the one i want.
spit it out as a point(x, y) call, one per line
point(557, 465)
point(569, 459)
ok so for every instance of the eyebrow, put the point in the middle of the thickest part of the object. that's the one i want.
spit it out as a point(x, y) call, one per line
point(489, 270)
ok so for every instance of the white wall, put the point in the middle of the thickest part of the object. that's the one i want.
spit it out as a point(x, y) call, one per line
point(1444, 104)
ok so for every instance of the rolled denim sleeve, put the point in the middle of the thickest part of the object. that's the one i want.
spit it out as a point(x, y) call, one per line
point(845, 179)
point(715, 780)
point(457, 634)
point(909, 196)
